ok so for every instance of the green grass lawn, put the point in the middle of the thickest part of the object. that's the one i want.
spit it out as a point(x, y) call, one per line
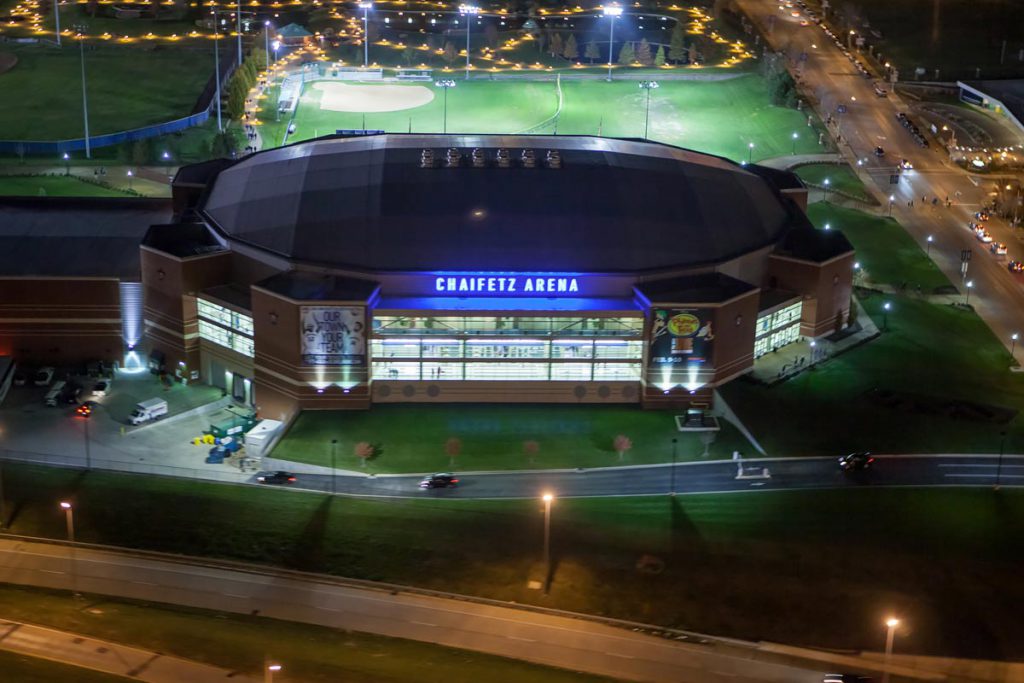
point(840, 177)
point(413, 437)
point(886, 253)
point(53, 186)
point(21, 669)
point(241, 643)
point(802, 567)
point(718, 117)
point(128, 87)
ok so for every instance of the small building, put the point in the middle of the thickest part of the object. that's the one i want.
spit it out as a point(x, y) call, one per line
point(293, 35)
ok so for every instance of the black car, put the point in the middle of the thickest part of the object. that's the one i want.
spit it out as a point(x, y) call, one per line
point(439, 481)
point(856, 462)
point(279, 477)
point(879, 152)
point(71, 393)
point(845, 678)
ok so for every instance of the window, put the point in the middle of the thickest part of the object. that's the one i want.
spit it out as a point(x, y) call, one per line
point(225, 316)
point(223, 337)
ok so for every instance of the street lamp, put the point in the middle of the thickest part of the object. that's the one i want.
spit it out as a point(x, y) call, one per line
point(367, 6)
point(69, 519)
point(826, 183)
point(445, 83)
point(268, 673)
point(266, 42)
point(1013, 344)
point(648, 86)
point(892, 623)
point(80, 30)
point(750, 152)
point(672, 476)
point(928, 248)
point(276, 45)
point(611, 12)
point(795, 136)
point(470, 11)
point(886, 307)
point(547, 498)
point(67, 164)
point(967, 298)
point(238, 29)
point(129, 179)
point(892, 198)
point(216, 68)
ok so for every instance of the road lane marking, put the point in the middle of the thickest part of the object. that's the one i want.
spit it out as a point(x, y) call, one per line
point(327, 609)
point(236, 595)
point(525, 640)
point(421, 623)
point(1005, 467)
point(988, 476)
point(50, 571)
point(146, 583)
point(616, 654)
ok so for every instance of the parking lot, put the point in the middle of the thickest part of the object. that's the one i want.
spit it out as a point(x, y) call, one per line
point(33, 431)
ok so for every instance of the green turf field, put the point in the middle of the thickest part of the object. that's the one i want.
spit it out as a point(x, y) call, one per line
point(53, 186)
point(127, 88)
point(718, 117)
point(413, 437)
point(840, 178)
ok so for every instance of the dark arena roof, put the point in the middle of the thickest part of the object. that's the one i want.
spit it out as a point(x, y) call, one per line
point(369, 203)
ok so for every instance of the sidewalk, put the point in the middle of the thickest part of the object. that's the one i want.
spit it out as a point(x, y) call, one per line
point(105, 656)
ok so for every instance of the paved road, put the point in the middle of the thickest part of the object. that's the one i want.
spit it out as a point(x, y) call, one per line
point(718, 476)
point(103, 655)
point(545, 638)
point(870, 121)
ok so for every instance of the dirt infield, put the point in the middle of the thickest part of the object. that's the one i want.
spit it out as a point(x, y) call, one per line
point(8, 60)
point(360, 98)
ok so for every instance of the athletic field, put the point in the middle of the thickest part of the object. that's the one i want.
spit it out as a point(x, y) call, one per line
point(719, 117)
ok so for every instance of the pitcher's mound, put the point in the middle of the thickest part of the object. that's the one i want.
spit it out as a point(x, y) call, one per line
point(360, 98)
point(8, 60)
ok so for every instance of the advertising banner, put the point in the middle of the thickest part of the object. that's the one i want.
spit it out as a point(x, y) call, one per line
point(680, 336)
point(333, 335)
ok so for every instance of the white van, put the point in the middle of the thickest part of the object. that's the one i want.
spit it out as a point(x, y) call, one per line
point(53, 395)
point(880, 91)
point(150, 409)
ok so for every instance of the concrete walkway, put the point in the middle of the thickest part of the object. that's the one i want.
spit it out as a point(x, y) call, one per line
point(787, 162)
point(102, 655)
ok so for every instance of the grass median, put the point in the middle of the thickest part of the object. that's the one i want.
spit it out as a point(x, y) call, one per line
point(802, 567)
point(413, 438)
point(22, 669)
point(240, 644)
point(840, 177)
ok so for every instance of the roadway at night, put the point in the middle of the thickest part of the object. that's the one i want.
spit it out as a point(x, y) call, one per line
point(718, 476)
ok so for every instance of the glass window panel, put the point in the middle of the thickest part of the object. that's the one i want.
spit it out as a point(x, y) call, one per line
point(506, 349)
point(396, 370)
point(397, 348)
point(443, 371)
point(506, 371)
point(442, 348)
point(606, 348)
point(571, 371)
point(617, 371)
point(582, 348)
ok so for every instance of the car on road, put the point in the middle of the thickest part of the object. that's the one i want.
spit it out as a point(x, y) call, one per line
point(856, 462)
point(1015, 267)
point(983, 236)
point(982, 215)
point(880, 91)
point(442, 480)
point(879, 152)
point(101, 388)
point(43, 376)
point(85, 410)
point(846, 678)
point(280, 477)
point(906, 165)
point(998, 248)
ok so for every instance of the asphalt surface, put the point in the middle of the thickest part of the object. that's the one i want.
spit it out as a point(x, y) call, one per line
point(541, 637)
point(720, 476)
point(869, 122)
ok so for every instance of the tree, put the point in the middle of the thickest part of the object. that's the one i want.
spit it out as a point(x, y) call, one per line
point(621, 444)
point(237, 93)
point(677, 45)
point(707, 438)
point(364, 451)
point(221, 146)
point(571, 51)
point(694, 55)
point(449, 53)
point(643, 53)
point(591, 52)
point(142, 152)
point(453, 448)
point(659, 56)
point(531, 449)
point(626, 55)
point(491, 35)
point(555, 45)
point(259, 58)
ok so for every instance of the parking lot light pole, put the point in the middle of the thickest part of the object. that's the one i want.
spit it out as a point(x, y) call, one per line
point(826, 182)
point(750, 152)
point(648, 86)
point(611, 12)
point(892, 623)
point(967, 296)
point(885, 315)
point(56, 17)
point(69, 519)
point(367, 6)
point(795, 136)
point(80, 29)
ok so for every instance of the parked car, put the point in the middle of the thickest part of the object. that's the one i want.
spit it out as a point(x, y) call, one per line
point(21, 378)
point(279, 477)
point(443, 480)
point(71, 393)
point(101, 388)
point(855, 462)
point(43, 376)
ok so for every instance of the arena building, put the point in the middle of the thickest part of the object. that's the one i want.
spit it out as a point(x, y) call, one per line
point(346, 271)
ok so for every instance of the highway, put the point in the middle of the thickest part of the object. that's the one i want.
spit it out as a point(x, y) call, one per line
point(540, 636)
point(829, 77)
point(719, 476)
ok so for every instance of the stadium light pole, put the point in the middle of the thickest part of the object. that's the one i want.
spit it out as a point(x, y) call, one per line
point(56, 17)
point(266, 42)
point(892, 198)
point(276, 45)
point(216, 68)
point(611, 12)
point(445, 83)
point(367, 6)
point(238, 29)
point(470, 11)
point(648, 86)
point(80, 30)
point(886, 307)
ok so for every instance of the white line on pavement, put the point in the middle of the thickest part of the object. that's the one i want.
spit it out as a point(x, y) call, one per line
point(987, 476)
point(616, 654)
point(525, 640)
point(421, 623)
point(50, 571)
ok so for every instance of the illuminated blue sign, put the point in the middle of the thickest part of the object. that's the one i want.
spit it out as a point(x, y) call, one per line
point(507, 284)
